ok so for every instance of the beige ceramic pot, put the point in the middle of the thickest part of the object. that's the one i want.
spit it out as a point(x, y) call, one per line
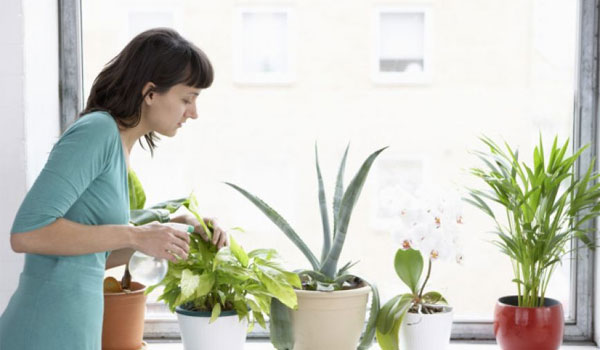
point(329, 320)
point(123, 326)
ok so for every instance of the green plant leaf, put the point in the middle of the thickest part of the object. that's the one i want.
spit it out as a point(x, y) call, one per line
point(137, 196)
point(349, 199)
point(280, 222)
point(282, 292)
point(171, 205)
point(391, 313)
point(409, 267)
point(192, 205)
point(369, 334)
point(281, 328)
point(323, 206)
point(339, 189)
point(216, 311)
point(434, 298)
point(238, 252)
point(145, 216)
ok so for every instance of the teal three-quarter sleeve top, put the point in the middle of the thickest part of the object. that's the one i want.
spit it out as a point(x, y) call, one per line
point(59, 301)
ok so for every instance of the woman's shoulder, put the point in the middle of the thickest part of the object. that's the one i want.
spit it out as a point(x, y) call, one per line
point(94, 124)
point(93, 130)
point(97, 119)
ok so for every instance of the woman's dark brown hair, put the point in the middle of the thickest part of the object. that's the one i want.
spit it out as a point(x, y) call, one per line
point(160, 56)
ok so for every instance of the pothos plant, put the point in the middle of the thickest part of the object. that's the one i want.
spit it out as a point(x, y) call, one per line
point(217, 280)
point(427, 227)
point(324, 275)
point(227, 279)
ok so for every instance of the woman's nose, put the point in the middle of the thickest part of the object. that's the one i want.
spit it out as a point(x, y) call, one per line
point(191, 112)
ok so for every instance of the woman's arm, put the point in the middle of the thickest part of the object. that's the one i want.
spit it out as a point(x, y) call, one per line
point(119, 257)
point(65, 237)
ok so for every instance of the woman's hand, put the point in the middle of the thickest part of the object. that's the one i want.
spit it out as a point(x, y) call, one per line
point(161, 241)
point(219, 236)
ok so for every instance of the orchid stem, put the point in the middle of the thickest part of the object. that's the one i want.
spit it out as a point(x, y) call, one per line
point(426, 279)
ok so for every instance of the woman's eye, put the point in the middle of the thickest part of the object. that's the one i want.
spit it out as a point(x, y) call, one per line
point(187, 102)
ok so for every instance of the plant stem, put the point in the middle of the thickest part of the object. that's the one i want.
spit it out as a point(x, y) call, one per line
point(426, 279)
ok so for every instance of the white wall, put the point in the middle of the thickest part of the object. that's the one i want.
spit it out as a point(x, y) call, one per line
point(28, 112)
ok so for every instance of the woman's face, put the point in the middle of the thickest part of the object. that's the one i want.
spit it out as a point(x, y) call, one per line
point(166, 112)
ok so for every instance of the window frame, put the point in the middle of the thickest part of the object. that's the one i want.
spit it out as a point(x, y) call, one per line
point(276, 78)
point(402, 78)
point(577, 329)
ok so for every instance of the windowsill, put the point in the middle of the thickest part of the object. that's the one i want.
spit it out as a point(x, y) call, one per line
point(265, 345)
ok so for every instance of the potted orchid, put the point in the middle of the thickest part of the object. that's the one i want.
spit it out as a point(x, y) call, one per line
point(428, 228)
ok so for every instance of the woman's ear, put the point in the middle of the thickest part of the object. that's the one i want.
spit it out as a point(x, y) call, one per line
point(148, 92)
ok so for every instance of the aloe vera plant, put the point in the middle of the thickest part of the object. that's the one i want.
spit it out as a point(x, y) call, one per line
point(324, 275)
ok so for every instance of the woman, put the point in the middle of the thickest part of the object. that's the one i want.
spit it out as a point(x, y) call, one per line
point(77, 211)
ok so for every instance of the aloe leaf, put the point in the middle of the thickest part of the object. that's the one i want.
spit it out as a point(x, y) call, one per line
point(280, 222)
point(339, 189)
point(369, 334)
point(280, 327)
point(323, 206)
point(347, 205)
point(347, 267)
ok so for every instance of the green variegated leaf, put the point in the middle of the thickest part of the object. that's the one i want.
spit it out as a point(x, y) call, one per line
point(137, 196)
point(216, 311)
point(238, 252)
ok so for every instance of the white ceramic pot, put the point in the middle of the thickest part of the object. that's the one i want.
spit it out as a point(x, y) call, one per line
point(227, 332)
point(329, 320)
point(426, 331)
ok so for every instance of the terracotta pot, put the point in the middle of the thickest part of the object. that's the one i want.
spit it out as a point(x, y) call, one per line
point(329, 320)
point(527, 328)
point(123, 327)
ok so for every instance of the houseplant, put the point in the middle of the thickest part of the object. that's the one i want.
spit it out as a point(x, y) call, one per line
point(332, 302)
point(421, 320)
point(218, 294)
point(125, 301)
point(546, 207)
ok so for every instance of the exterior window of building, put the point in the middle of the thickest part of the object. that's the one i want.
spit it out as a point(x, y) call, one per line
point(262, 46)
point(403, 45)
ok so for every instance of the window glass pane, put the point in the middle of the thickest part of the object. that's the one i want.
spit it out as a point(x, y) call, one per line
point(402, 37)
point(264, 42)
point(503, 69)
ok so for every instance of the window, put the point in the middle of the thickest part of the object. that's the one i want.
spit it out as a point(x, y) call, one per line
point(402, 45)
point(263, 46)
point(505, 79)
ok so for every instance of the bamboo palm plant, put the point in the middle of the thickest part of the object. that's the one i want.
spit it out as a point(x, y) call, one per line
point(546, 207)
point(324, 275)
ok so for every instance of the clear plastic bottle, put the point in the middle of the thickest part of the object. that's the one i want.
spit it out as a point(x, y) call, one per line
point(149, 270)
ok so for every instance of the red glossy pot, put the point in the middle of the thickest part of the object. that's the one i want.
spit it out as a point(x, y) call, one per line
point(528, 328)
